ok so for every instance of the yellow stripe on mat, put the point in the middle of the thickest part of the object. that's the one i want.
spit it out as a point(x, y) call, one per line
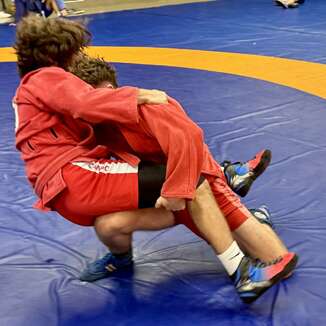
point(308, 77)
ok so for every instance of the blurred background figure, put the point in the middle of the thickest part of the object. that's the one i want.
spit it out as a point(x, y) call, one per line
point(5, 17)
point(62, 11)
point(12, 11)
point(44, 8)
point(24, 7)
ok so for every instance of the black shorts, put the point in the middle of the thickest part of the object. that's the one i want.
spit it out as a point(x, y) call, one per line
point(150, 181)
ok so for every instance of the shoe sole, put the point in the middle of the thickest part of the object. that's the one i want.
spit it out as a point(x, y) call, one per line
point(263, 164)
point(257, 171)
point(293, 5)
point(276, 279)
point(108, 274)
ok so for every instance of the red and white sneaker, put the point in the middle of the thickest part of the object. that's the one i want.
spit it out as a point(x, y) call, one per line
point(240, 176)
point(253, 278)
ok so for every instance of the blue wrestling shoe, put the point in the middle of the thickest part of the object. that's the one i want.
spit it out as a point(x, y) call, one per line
point(240, 176)
point(105, 266)
point(253, 278)
point(263, 215)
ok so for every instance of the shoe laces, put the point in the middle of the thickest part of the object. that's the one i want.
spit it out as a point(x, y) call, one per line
point(225, 164)
point(260, 264)
point(104, 259)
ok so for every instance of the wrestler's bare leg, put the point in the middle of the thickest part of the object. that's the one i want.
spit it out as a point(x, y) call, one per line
point(255, 239)
point(259, 240)
point(251, 280)
point(115, 230)
point(209, 219)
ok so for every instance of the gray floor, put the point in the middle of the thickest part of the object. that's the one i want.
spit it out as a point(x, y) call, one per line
point(80, 7)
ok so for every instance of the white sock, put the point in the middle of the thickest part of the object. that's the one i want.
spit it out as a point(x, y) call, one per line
point(231, 258)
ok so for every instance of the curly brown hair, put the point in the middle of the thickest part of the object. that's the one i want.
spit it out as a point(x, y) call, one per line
point(48, 42)
point(94, 71)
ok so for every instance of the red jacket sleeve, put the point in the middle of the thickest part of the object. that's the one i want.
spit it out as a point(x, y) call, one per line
point(182, 142)
point(54, 89)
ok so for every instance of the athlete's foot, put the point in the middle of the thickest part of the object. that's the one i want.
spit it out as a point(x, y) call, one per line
point(105, 266)
point(252, 279)
point(240, 176)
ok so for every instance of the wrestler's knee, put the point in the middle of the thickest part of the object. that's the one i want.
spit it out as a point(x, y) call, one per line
point(111, 224)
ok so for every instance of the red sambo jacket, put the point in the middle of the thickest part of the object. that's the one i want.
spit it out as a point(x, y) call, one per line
point(165, 134)
point(55, 115)
point(55, 112)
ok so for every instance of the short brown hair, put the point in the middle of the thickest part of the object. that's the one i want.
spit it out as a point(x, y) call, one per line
point(94, 70)
point(49, 42)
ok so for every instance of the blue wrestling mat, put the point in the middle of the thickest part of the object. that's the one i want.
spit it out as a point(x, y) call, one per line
point(177, 279)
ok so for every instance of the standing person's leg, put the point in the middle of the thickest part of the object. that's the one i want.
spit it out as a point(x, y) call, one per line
point(249, 233)
point(251, 280)
point(209, 220)
point(115, 231)
point(21, 10)
point(60, 4)
point(8, 7)
point(102, 194)
point(259, 240)
point(204, 209)
point(50, 6)
point(255, 238)
point(246, 229)
point(62, 8)
point(3, 12)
